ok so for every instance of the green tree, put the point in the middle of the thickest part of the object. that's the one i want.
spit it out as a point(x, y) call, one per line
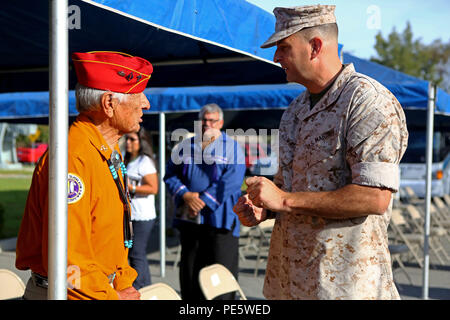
point(402, 52)
point(41, 136)
point(44, 133)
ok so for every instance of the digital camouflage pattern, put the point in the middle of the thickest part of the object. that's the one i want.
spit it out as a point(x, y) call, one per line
point(293, 19)
point(355, 134)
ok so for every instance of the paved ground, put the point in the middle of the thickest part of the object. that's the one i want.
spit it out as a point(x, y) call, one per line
point(439, 277)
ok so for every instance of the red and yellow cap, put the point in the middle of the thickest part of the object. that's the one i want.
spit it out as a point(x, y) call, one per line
point(113, 71)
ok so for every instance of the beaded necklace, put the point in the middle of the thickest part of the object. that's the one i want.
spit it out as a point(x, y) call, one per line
point(115, 163)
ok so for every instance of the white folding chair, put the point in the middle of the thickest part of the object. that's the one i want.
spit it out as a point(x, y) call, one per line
point(11, 286)
point(159, 291)
point(413, 241)
point(443, 209)
point(446, 198)
point(216, 280)
point(411, 196)
point(437, 234)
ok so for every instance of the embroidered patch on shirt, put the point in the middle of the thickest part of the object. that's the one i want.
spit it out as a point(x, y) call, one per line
point(76, 188)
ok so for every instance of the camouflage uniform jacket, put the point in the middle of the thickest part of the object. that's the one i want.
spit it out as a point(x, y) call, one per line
point(355, 134)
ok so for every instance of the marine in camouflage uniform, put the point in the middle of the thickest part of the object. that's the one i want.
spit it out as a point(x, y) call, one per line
point(355, 134)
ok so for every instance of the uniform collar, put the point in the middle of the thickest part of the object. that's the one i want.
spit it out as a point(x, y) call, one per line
point(94, 136)
point(304, 111)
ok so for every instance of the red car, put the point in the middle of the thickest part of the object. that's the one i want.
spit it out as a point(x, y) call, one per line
point(259, 160)
point(33, 154)
point(253, 151)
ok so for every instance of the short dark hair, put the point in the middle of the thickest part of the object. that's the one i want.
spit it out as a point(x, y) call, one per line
point(327, 31)
point(145, 146)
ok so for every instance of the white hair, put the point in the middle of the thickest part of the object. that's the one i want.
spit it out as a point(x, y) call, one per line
point(88, 99)
point(210, 108)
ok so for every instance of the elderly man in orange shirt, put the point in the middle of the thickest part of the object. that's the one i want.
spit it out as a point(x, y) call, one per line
point(110, 100)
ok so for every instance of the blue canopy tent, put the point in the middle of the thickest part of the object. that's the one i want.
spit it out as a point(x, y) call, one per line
point(274, 98)
point(26, 106)
point(411, 92)
point(214, 44)
point(189, 43)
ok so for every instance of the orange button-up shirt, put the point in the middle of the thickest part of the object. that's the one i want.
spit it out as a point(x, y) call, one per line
point(95, 220)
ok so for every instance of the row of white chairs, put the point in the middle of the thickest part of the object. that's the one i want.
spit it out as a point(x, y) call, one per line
point(215, 280)
point(406, 230)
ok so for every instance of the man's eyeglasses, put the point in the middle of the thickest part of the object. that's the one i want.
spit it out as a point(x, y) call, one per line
point(212, 121)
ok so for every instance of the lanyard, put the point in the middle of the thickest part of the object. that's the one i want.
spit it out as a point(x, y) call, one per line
point(115, 163)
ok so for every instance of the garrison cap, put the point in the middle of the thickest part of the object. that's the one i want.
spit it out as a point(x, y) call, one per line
point(293, 19)
point(112, 71)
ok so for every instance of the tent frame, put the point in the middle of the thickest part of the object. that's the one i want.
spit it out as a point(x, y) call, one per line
point(429, 163)
point(58, 146)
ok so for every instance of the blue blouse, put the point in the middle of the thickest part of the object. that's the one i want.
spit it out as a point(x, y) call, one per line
point(216, 173)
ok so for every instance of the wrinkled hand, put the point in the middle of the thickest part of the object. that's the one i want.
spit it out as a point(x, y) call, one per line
point(265, 194)
point(248, 214)
point(129, 294)
point(193, 201)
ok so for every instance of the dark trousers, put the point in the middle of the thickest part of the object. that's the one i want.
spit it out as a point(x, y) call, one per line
point(138, 253)
point(201, 246)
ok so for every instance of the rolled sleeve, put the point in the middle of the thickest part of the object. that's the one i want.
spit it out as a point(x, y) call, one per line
point(376, 141)
point(376, 174)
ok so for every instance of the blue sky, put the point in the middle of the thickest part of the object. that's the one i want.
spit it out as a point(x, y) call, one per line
point(360, 20)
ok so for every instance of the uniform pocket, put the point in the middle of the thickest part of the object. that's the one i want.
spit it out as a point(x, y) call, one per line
point(321, 148)
point(325, 166)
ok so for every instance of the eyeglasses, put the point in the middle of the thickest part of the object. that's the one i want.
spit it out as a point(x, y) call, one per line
point(210, 120)
point(132, 139)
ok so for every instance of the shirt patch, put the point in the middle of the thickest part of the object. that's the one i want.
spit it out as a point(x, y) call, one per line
point(75, 188)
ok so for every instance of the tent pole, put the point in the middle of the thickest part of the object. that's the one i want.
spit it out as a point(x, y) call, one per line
point(429, 157)
point(57, 180)
point(162, 193)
